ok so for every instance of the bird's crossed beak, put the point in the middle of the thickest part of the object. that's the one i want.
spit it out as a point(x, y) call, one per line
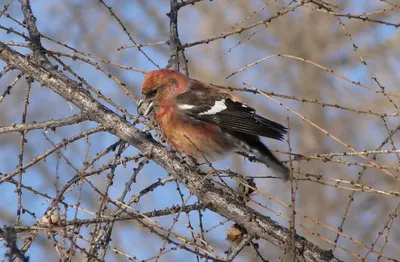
point(144, 106)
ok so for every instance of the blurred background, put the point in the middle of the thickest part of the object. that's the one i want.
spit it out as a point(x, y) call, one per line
point(336, 58)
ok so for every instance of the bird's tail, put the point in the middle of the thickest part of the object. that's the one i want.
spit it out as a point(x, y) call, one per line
point(261, 152)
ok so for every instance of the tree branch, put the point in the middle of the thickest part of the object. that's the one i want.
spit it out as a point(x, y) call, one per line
point(50, 124)
point(39, 53)
point(174, 42)
point(10, 237)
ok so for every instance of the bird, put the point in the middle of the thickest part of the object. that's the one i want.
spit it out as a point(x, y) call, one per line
point(206, 122)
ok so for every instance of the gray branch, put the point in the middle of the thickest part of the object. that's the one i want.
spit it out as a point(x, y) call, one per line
point(235, 250)
point(39, 53)
point(10, 237)
point(174, 42)
point(50, 124)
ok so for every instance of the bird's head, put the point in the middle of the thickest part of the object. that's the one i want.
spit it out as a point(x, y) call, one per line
point(158, 84)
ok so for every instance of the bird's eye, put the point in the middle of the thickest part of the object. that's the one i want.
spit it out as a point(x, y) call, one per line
point(151, 93)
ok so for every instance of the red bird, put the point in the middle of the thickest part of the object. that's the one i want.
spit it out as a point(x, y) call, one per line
point(204, 121)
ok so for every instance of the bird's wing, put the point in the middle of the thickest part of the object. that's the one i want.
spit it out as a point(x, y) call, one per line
point(210, 105)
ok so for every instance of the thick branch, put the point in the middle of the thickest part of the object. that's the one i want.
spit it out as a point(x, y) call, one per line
point(221, 202)
point(39, 53)
point(174, 42)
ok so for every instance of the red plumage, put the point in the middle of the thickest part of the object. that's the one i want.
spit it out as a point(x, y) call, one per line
point(204, 121)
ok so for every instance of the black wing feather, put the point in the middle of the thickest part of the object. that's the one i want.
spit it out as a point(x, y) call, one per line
point(236, 117)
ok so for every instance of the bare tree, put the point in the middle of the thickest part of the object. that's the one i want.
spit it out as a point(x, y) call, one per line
point(83, 178)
